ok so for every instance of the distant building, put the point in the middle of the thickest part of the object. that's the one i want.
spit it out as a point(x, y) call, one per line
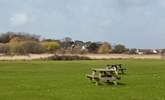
point(147, 51)
point(138, 51)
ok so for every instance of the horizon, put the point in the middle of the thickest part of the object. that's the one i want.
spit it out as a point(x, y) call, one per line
point(134, 23)
point(73, 39)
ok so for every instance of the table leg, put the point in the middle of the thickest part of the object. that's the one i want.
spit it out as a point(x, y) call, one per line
point(114, 82)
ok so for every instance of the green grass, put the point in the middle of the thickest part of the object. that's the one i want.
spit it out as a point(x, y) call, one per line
point(65, 80)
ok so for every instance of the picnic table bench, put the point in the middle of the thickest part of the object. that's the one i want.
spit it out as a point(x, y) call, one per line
point(118, 67)
point(108, 74)
point(103, 75)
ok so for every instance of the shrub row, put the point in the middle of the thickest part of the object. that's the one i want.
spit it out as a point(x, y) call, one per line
point(26, 47)
point(67, 57)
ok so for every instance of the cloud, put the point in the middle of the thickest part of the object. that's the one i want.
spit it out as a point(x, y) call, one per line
point(20, 19)
point(111, 20)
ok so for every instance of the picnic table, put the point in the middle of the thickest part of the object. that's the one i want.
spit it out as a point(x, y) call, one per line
point(118, 67)
point(108, 74)
point(104, 75)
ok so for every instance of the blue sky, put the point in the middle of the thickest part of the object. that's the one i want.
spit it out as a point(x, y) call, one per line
point(135, 23)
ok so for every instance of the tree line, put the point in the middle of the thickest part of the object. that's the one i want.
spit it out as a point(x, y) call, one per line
point(15, 43)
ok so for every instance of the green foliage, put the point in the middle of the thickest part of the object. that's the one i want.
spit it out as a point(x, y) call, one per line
point(51, 46)
point(65, 80)
point(93, 48)
point(119, 49)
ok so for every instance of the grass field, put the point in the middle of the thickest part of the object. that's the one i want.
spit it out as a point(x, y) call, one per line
point(65, 80)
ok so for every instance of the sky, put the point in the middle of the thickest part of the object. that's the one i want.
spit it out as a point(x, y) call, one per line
point(134, 23)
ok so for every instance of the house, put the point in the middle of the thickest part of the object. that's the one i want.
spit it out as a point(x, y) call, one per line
point(140, 52)
point(147, 51)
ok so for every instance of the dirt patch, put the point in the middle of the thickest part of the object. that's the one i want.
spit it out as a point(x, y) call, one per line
point(123, 56)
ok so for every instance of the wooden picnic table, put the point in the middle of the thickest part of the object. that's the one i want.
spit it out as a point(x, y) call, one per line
point(118, 67)
point(110, 73)
point(103, 70)
point(103, 75)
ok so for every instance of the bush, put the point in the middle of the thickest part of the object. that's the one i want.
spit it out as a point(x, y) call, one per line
point(104, 48)
point(119, 49)
point(133, 51)
point(26, 47)
point(50, 46)
point(93, 48)
point(4, 48)
point(32, 47)
point(6, 37)
point(163, 51)
point(67, 57)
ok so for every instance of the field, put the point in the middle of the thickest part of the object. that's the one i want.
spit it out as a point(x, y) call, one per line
point(65, 80)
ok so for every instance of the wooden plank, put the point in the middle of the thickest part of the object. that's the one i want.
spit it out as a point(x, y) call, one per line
point(107, 79)
point(103, 70)
point(91, 77)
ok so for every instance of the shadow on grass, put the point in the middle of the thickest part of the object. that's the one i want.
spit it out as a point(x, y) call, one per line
point(110, 84)
point(118, 84)
point(122, 73)
point(122, 84)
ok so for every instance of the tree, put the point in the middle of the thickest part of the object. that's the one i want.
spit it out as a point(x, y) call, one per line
point(93, 47)
point(104, 48)
point(119, 49)
point(16, 40)
point(67, 39)
point(6, 37)
point(50, 46)
point(25, 47)
point(163, 51)
point(4, 48)
point(67, 43)
point(133, 51)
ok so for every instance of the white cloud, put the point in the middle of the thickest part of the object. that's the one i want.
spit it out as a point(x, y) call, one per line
point(20, 19)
